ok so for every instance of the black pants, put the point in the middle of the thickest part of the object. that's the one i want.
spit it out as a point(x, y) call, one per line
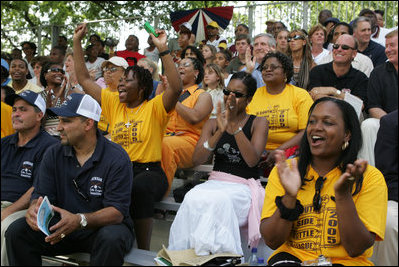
point(107, 245)
point(149, 186)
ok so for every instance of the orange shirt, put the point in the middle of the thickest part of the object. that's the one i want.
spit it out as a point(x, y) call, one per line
point(177, 124)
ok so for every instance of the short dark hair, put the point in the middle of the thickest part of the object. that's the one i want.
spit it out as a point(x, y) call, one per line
point(366, 11)
point(285, 61)
point(350, 29)
point(379, 11)
point(349, 155)
point(243, 25)
point(243, 37)
point(60, 48)
point(32, 45)
point(247, 80)
point(226, 53)
point(144, 79)
point(196, 51)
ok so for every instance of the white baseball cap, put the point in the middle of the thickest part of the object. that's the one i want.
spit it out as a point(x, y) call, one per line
point(78, 105)
point(187, 25)
point(117, 61)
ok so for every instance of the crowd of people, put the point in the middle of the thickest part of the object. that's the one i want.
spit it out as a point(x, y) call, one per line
point(103, 134)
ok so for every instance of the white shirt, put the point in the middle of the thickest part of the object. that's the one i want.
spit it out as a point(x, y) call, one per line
point(381, 36)
point(96, 65)
point(320, 56)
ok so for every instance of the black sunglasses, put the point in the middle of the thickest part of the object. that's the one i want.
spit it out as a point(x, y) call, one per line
point(344, 47)
point(317, 198)
point(75, 184)
point(296, 37)
point(237, 94)
point(56, 70)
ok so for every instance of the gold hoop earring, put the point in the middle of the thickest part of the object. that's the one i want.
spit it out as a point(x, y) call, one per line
point(345, 145)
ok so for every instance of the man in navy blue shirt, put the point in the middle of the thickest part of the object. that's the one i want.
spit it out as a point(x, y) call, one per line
point(366, 46)
point(21, 154)
point(88, 181)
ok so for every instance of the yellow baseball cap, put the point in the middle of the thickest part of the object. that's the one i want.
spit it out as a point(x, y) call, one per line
point(213, 24)
point(223, 45)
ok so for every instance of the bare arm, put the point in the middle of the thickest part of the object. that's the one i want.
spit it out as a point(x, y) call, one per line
point(21, 204)
point(377, 113)
point(200, 111)
point(354, 235)
point(82, 74)
point(276, 230)
point(174, 88)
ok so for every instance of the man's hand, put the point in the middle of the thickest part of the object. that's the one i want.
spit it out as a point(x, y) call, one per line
point(31, 213)
point(69, 223)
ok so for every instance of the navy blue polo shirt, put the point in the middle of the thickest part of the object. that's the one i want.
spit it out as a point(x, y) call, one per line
point(105, 180)
point(355, 80)
point(19, 165)
point(375, 52)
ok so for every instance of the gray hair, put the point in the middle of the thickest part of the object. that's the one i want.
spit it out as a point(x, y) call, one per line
point(359, 19)
point(270, 41)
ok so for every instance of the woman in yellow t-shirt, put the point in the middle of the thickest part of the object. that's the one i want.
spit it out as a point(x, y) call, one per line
point(138, 125)
point(284, 105)
point(330, 203)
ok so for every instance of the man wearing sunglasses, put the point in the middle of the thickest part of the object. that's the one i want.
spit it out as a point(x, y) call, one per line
point(338, 77)
point(88, 181)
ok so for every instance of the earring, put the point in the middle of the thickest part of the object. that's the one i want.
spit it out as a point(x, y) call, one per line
point(285, 79)
point(345, 145)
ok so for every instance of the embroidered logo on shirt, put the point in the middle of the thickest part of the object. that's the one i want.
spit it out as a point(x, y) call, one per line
point(26, 170)
point(96, 186)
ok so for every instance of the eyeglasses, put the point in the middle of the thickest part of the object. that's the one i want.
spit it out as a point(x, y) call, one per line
point(184, 65)
point(237, 94)
point(317, 198)
point(344, 47)
point(272, 67)
point(75, 184)
point(112, 70)
point(296, 37)
point(56, 70)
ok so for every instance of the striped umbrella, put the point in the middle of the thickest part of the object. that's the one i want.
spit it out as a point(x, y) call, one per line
point(199, 18)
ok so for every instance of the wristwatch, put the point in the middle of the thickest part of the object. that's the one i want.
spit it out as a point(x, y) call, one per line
point(83, 221)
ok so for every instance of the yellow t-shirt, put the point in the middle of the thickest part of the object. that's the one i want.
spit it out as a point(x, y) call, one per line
point(315, 234)
point(29, 86)
point(103, 124)
point(6, 123)
point(286, 112)
point(139, 130)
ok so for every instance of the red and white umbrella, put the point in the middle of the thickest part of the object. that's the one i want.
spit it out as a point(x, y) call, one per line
point(200, 18)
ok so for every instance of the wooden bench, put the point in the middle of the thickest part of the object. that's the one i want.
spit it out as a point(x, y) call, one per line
point(135, 256)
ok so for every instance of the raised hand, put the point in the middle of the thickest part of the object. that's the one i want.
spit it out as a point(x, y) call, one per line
point(353, 172)
point(160, 41)
point(250, 64)
point(221, 118)
point(80, 32)
point(290, 178)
